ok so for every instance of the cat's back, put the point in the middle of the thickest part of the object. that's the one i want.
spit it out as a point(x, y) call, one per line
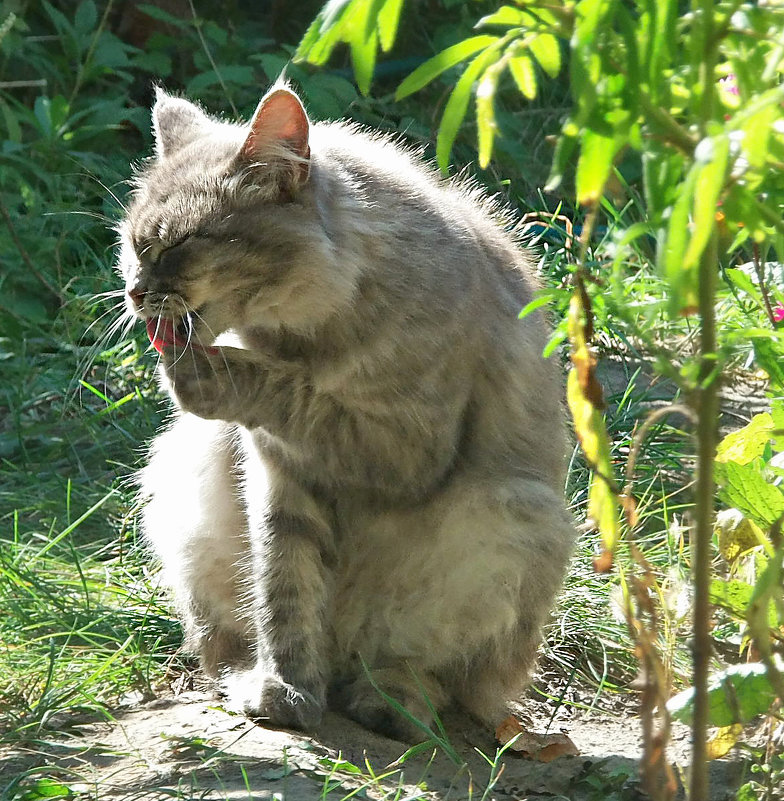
point(446, 237)
point(453, 278)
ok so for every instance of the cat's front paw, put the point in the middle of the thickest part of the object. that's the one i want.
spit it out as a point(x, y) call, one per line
point(198, 380)
point(274, 701)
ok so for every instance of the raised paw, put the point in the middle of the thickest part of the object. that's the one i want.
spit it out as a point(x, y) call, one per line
point(198, 380)
point(274, 701)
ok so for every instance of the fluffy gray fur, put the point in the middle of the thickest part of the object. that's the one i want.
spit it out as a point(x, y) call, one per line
point(369, 466)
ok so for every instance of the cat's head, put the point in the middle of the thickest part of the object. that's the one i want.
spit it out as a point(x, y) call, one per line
point(222, 230)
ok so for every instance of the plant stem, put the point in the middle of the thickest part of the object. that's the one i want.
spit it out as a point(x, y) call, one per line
point(6, 215)
point(707, 408)
point(706, 401)
point(763, 284)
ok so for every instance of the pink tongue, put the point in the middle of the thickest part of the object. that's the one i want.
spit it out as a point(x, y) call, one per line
point(161, 333)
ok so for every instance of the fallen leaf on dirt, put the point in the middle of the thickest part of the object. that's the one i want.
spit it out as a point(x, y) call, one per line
point(540, 747)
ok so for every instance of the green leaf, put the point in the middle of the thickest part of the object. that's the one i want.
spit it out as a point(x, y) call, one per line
point(42, 108)
point(766, 592)
point(663, 38)
point(537, 303)
point(46, 789)
point(732, 595)
point(546, 49)
point(363, 59)
point(756, 136)
point(362, 24)
point(745, 488)
point(741, 280)
point(506, 15)
point(456, 106)
point(330, 27)
point(707, 190)
point(442, 61)
point(736, 695)
point(164, 16)
point(768, 356)
point(485, 113)
point(747, 792)
point(564, 148)
point(238, 74)
point(683, 283)
point(522, 70)
point(388, 21)
point(594, 165)
point(309, 39)
point(662, 170)
point(11, 122)
point(86, 17)
point(64, 27)
point(747, 443)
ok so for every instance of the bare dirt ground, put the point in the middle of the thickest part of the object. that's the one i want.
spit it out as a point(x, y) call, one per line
point(189, 747)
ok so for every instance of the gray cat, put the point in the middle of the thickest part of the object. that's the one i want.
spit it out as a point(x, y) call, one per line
point(362, 487)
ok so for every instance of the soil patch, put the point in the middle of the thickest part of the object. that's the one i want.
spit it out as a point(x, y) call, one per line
point(189, 747)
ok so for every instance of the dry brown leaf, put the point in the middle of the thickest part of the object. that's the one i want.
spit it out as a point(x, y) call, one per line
point(539, 747)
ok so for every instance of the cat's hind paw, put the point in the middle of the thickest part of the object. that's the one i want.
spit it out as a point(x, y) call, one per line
point(362, 700)
point(273, 701)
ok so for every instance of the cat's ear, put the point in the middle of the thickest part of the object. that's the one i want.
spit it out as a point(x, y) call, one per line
point(280, 129)
point(175, 123)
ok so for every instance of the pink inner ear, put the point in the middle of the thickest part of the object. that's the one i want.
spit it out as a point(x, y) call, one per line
point(279, 119)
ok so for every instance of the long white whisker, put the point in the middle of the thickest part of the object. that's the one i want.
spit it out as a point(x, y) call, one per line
point(115, 307)
point(220, 350)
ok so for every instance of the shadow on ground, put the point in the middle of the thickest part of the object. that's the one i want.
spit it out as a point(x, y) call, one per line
point(191, 748)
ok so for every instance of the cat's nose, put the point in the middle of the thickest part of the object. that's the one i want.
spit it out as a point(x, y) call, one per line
point(136, 294)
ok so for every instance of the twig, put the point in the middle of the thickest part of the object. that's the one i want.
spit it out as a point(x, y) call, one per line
point(639, 437)
point(26, 256)
point(90, 50)
point(208, 53)
point(22, 84)
point(763, 284)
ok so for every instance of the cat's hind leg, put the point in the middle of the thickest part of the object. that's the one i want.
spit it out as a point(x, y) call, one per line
point(195, 521)
point(456, 589)
point(374, 698)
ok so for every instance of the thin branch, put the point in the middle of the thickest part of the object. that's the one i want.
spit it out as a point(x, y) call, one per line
point(208, 53)
point(23, 84)
point(26, 256)
point(763, 284)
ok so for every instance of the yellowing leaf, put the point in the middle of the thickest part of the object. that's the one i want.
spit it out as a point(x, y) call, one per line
point(746, 444)
point(583, 394)
point(736, 534)
point(724, 739)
